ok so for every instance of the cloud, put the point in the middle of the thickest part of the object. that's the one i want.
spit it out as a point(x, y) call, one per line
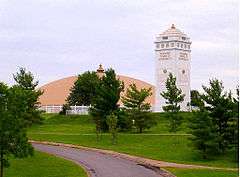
point(58, 38)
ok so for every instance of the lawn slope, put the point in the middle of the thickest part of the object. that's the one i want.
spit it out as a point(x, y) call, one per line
point(156, 143)
point(43, 165)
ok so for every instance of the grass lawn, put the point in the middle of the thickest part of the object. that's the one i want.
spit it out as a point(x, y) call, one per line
point(43, 165)
point(174, 148)
point(202, 173)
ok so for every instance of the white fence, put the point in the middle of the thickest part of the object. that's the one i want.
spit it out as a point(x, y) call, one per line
point(83, 110)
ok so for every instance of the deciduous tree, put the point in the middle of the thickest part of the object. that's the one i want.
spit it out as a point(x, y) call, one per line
point(106, 99)
point(13, 112)
point(84, 89)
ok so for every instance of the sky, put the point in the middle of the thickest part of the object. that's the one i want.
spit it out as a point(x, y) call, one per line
point(60, 38)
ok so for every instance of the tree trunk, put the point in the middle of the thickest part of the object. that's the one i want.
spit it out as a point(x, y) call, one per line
point(140, 129)
point(1, 161)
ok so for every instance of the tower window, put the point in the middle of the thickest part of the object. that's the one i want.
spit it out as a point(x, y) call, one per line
point(183, 71)
point(162, 45)
point(164, 71)
point(177, 44)
point(157, 45)
point(183, 38)
point(172, 44)
point(188, 46)
point(164, 37)
point(185, 46)
point(167, 45)
point(181, 45)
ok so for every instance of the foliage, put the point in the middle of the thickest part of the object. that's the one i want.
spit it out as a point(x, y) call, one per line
point(106, 99)
point(84, 89)
point(65, 107)
point(156, 143)
point(136, 107)
point(233, 125)
point(216, 121)
point(25, 80)
point(173, 97)
point(13, 112)
point(204, 133)
point(112, 125)
point(195, 99)
point(219, 104)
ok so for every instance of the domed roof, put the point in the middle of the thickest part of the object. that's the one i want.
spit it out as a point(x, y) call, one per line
point(173, 31)
point(56, 92)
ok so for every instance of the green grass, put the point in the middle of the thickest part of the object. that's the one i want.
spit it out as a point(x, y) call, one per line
point(202, 173)
point(174, 148)
point(43, 165)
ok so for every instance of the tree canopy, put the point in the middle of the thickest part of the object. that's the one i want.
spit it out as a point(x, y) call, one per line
point(13, 112)
point(106, 98)
point(137, 108)
point(84, 89)
point(25, 80)
point(173, 97)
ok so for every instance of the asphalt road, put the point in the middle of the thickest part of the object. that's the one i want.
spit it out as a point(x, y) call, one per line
point(99, 164)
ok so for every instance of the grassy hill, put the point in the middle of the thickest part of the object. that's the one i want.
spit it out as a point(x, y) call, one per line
point(43, 165)
point(156, 143)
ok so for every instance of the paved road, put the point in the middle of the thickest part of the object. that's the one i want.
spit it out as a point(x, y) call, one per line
point(98, 164)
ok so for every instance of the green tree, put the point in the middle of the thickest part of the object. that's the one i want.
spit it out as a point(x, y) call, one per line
point(13, 111)
point(112, 121)
point(25, 80)
point(195, 98)
point(233, 125)
point(137, 108)
point(65, 107)
point(204, 135)
point(173, 97)
point(219, 105)
point(84, 89)
point(106, 99)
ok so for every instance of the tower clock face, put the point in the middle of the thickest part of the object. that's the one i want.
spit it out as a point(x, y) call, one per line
point(164, 55)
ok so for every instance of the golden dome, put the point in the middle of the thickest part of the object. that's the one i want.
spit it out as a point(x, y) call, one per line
point(56, 92)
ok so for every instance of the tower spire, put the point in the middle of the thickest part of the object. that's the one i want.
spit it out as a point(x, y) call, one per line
point(100, 71)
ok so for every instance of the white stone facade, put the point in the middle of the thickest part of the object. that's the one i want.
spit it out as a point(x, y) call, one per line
point(173, 55)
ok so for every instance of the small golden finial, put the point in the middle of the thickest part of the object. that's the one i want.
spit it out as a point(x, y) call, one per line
point(100, 71)
point(172, 27)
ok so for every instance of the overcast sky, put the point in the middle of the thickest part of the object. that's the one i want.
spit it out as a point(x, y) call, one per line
point(61, 38)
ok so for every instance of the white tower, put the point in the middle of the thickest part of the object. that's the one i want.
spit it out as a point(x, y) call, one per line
point(172, 56)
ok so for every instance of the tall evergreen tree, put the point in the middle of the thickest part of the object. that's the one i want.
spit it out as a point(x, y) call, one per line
point(233, 125)
point(106, 99)
point(13, 111)
point(137, 108)
point(25, 80)
point(204, 135)
point(84, 89)
point(173, 97)
point(219, 105)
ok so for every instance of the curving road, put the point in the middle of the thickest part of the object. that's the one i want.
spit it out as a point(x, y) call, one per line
point(99, 164)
